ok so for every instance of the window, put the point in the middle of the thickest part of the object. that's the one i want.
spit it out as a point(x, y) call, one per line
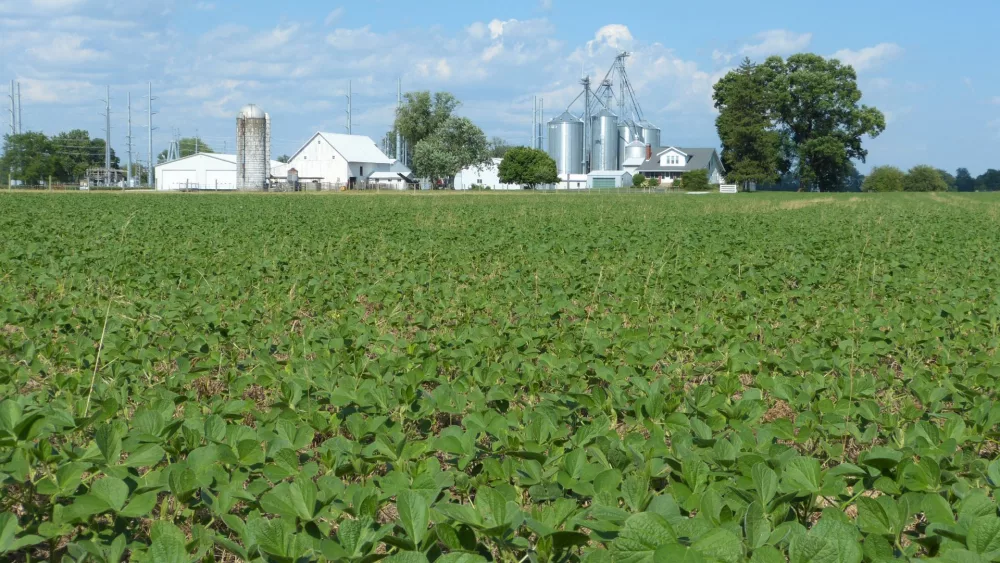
point(362, 171)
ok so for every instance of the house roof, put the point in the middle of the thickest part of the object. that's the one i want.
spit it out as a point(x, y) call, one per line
point(607, 173)
point(385, 176)
point(698, 159)
point(228, 158)
point(356, 148)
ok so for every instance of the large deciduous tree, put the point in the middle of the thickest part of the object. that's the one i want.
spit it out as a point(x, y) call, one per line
point(455, 144)
point(989, 181)
point(528, 167)
point(964, 182)
point(803, 114)
point(752, 151)
point(423, 113)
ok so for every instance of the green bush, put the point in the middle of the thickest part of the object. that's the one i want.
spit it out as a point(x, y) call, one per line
point(884, 179)
point(695, 181)
point(638, 181)
point(924, 179)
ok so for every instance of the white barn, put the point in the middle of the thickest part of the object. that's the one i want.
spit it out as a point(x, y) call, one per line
point(202, 171)
point(334, 158)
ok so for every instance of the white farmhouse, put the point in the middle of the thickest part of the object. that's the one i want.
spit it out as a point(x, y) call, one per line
point(334, 158)
point(669, 163)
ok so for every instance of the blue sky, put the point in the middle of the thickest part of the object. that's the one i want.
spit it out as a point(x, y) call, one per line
point(930, 67)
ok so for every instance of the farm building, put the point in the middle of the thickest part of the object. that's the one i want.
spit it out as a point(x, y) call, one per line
point(335, 158)
point(202, 171)
point(666, 164)
point(572, 182)
point(487, 176)
point(390, 181)
point(609, 179)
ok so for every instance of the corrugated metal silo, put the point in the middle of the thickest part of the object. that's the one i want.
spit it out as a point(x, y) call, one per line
point(650, 134)
point(566, 143)
point(605, 134)
point(252, 150)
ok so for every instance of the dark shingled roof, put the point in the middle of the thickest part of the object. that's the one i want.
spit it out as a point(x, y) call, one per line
point(698, 159)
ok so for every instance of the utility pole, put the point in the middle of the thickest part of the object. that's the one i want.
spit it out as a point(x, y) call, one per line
point(13, 110)
point(107, 138)
point(197, 142)
point(348, 127)
point(128, 136)
point(150, 175)
point(534, 122)
point(541, 124)
point(20, 122)
point(399, 106)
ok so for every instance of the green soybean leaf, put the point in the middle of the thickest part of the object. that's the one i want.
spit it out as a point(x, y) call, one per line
point(168, 544)
point(414, 515)
point(642, 535)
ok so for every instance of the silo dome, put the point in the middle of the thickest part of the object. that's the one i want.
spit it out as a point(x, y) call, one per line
point(251, 111)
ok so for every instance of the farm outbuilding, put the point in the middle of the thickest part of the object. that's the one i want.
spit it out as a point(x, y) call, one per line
point(485, 176)
point(609, 179)
point(202, 171)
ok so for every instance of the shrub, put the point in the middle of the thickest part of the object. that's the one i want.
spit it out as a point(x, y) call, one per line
point(638, 181)
point(884, 179)
point(695, 181)
point(924, 179)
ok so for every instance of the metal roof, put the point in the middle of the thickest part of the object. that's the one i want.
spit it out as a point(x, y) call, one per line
point(566, 117)
point(356, 148)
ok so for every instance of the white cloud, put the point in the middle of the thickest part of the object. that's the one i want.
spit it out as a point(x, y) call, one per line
point(776, 42)
point(65, 49)
point(616, 36)
point(204, 6)
point(334, 16)
point(545, 4)
point(869, 57)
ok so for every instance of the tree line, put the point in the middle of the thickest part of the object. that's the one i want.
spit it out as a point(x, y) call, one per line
point(33, 157)
point(928, 179)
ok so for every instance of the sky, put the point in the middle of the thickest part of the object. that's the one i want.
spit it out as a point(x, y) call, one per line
point(930, 67)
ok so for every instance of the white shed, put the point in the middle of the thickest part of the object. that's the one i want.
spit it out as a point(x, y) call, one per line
point(338, 159)
point(202, 171)
point(487, 176)
point(389, 181)
point(609, 179)
point(572, 182)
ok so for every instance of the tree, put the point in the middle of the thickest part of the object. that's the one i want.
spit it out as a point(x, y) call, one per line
point(498, 147)
point(950, 180)
point(30, 157)
point(924, 179)
point(803, 113)
point(989, 182)
point(885, 179)
point(528, 167)
point(752, 147)
point(695, 180)
point(188, 147)
point(455, 145)
point(422, 114)
point(284, 158)
point(964, 182)
point(638, 181)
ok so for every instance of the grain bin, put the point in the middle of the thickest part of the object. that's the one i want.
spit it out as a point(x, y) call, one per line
point(566, 143)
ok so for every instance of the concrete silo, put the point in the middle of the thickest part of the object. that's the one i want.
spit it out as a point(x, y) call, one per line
point(253, 140)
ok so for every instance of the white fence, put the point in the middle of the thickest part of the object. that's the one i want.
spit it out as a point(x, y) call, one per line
point(729, 189)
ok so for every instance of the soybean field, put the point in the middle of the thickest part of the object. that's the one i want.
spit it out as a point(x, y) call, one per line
point(499, 377)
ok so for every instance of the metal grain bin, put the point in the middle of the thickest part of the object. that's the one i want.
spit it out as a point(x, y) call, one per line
point(566, 143)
